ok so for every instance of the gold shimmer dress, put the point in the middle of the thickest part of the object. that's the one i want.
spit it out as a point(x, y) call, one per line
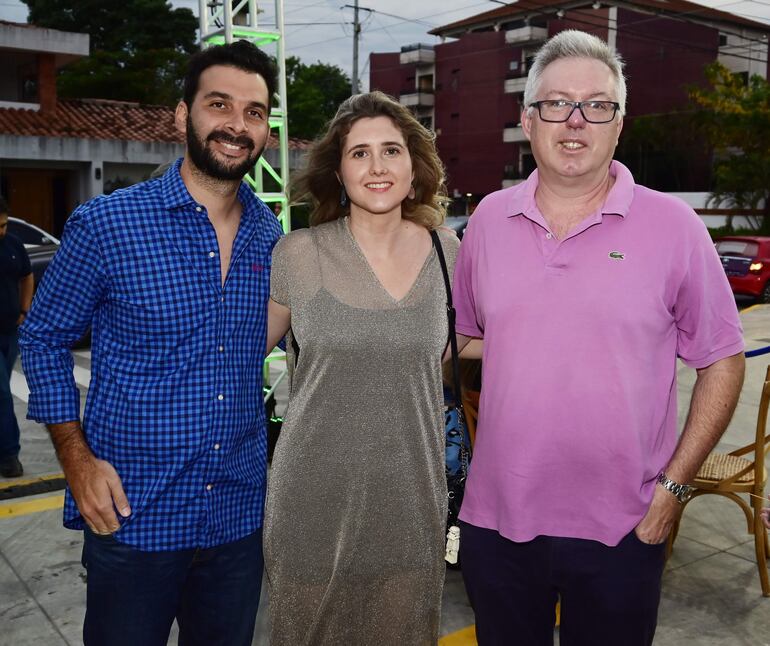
point(356, 505)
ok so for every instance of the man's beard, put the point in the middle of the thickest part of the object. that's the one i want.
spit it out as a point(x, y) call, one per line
point(206, 161)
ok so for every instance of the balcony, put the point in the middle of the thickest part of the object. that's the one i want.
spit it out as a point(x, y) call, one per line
point(417, 54)
point(515, 85)
point(417, 98)
point(526, 35)
point(514, 134)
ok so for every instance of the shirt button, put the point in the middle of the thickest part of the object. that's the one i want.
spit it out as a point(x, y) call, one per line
point(216, 446)
point(211, 254)
point(549, 235)
point(220, 397)
point(209, 487)
point(222, 299)
point(198, 209)
point(221, 348)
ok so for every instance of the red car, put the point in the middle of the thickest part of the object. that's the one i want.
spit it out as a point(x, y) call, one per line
point(746, 261)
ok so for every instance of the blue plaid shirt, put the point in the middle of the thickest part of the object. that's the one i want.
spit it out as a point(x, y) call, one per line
point(174, 402)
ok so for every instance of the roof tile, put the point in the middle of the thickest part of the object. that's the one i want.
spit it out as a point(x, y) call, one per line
point(103, 119)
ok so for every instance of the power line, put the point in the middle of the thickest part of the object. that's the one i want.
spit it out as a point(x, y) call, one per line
point(623, 29)
point(392, 15)
point(617, 29)
point(327, 40)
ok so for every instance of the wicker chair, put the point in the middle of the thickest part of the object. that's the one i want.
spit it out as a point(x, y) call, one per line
point(741, 472)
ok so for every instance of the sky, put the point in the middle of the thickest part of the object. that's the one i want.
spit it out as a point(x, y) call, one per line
point(321, 30)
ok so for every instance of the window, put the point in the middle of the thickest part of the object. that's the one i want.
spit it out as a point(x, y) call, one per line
point(737, 248)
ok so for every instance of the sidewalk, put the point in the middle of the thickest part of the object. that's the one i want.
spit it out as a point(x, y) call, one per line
point(711, 592)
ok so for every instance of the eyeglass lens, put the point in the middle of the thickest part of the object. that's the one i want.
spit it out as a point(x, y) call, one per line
point(593, 111)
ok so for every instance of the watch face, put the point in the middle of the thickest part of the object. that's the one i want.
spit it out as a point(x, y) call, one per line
point(685, 495)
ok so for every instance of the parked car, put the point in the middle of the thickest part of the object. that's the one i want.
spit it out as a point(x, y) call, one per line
point(40, 246)
point(746, 261)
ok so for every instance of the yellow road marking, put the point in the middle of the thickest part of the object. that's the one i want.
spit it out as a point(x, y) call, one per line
point(31, 506)
point(464, 637)
point(21, 482)
point(467, 635)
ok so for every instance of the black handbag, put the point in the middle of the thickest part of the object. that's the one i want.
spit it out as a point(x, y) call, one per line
point(458, 443)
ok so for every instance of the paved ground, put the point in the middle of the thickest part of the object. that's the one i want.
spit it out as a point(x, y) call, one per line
point(711, 593)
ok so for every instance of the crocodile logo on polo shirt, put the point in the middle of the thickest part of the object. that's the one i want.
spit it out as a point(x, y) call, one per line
point(616, 255)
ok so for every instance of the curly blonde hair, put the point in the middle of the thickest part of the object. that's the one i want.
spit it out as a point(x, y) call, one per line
point(317, 183)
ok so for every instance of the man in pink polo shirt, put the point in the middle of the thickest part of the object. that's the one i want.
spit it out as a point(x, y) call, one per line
point(585, 288)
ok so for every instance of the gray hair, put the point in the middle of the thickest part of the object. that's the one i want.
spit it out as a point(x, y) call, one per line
point(572, 43)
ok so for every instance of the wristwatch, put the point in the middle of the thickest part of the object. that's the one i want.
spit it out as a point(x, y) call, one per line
point(682, 492)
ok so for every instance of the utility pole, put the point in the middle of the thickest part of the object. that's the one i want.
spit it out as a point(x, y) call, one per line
point(356, 36)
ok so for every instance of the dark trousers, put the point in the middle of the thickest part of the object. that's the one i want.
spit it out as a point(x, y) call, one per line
point(609, 595)
point(9, 427)
point(133, 596)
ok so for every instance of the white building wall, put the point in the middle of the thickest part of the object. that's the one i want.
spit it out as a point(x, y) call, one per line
point(96, 160)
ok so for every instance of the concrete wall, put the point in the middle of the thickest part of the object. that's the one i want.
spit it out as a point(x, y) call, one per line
point(66, 45)
point(98, 159)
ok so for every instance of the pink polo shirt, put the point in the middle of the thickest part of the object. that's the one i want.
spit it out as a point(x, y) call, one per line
point(578, 410)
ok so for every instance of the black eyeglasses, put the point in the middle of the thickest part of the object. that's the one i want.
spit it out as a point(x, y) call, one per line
point(559, 110)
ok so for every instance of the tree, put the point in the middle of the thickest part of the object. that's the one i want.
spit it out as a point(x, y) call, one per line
point(314, 92)
point(139, 48)
point(665, 151)
point(735, 118)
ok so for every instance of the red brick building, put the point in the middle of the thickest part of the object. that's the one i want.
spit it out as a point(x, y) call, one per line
point(469, 87)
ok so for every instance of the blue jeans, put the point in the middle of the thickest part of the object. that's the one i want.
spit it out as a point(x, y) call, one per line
point(9, 427)
point(134, 596)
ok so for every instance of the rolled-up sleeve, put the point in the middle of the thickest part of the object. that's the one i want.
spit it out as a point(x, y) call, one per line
point(62, 311)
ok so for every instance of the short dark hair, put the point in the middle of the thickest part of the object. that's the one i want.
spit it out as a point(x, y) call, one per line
point(3, 206)
point(241, 54)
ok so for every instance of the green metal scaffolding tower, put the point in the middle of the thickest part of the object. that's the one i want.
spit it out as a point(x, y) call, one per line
point(224, 21)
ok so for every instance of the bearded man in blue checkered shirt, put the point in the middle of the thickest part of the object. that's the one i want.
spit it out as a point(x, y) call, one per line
point(166, 473)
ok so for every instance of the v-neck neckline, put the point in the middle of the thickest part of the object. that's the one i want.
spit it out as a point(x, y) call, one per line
point(396, 301)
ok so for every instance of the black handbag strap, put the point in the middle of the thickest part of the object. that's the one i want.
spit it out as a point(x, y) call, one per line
point(451, 314)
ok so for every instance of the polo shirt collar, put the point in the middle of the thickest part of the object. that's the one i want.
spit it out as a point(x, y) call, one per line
point(618, 202)
point(621, 194)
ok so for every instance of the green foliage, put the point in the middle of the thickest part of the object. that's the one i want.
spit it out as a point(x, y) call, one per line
point(726, 230)
point(660, 150)
point(314, 92)
point(735, 118)
point(139, 48)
